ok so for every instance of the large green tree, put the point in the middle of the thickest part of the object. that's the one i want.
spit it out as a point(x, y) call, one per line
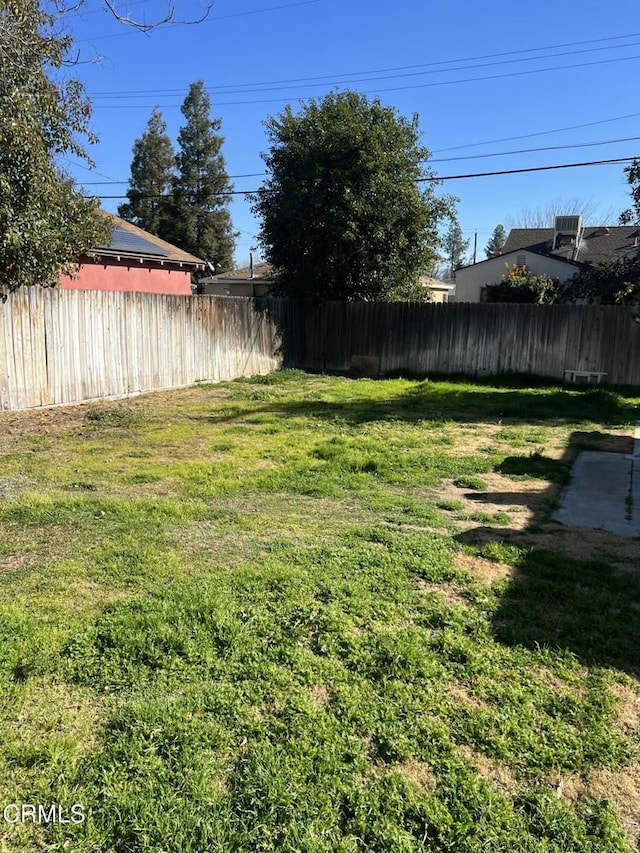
point(151, 178)
point(200, 218)
point(342, 214)
point(496, 242)
point(45, 222)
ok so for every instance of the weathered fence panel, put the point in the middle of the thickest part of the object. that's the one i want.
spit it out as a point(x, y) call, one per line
point(462, 338)
point(65, 346)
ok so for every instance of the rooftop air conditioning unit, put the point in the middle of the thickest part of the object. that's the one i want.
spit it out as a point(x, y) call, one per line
point(568, 224)
point(567, 229)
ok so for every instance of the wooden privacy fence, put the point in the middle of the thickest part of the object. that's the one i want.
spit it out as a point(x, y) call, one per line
point(462, 338)
point(65, 346)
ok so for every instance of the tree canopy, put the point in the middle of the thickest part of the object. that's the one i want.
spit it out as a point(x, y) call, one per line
point(199, 219)
point(610, 283)
point(631, 216)
point(151, 178)
point(342, 215)
point(455, 247)
point(496, 242)
point(45, 222)
point(519, 284)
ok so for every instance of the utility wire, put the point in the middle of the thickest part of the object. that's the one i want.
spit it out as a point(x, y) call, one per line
point(432, 178)
point(393, 68)
point(438, 160)
point(245, 88)
point(389, 89)
point(537, 133)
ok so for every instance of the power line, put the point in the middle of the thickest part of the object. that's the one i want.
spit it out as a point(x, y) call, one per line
point(439, 160)
point(533, 150)
point(537, 133)
point(390, 89)
point(249, 88)
point(393, 68)
point(434, 178)
point(531, 169)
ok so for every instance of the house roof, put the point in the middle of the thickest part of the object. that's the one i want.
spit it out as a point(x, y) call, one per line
point(129, 241)
point(262, 272)
point(597, 244)
point(534, 250)
point(436, 283)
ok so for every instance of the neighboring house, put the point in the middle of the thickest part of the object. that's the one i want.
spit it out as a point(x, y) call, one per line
point(557, 252)
point(134, 260)
point(254, 280)
point(441, 291)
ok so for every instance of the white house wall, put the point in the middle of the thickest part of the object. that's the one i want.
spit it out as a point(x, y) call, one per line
point(470, 280)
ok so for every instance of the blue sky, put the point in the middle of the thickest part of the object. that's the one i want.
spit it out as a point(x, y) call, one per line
point(478, 75)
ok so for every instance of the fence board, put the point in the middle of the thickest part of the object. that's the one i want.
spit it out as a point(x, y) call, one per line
point(61, 347)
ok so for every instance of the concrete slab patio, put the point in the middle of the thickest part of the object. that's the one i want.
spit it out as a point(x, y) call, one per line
point(604, 492)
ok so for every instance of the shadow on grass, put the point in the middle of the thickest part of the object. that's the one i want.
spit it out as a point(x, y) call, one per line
point(447, 401)
point(588, 608)
point(576, 590)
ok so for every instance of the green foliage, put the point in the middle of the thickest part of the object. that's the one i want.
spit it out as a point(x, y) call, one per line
point(342, 215)
point(151, 178)
point(45, 223)
point(521, 285)
point(199, 212)
point(455, 247)
point(632, 214)
point(496, 242)
point(610, 283)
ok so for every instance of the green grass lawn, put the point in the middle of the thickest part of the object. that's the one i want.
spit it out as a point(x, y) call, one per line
point(304, 613)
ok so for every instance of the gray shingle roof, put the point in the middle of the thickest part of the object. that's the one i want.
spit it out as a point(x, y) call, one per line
point(598, 243)
point(262, 272)
point(130, 241)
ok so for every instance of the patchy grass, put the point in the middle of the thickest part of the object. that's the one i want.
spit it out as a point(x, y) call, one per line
point(302, 613)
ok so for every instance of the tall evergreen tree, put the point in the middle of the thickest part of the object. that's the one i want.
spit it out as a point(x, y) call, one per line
point(151, 178)
point(496, 242)
point(200, 216)
point(455, 247)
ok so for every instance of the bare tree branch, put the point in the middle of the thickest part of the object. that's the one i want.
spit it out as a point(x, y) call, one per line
point(115, 9)
point(544, 216)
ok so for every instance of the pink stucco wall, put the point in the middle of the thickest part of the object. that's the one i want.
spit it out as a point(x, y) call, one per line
point(129, 276)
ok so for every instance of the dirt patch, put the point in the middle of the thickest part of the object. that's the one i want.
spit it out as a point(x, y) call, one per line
point(418, 773)
point(621, 552)
point(13, 563)
point(486, 570)
point(524, 500)
point(62, 419)
point(450, 595)
point(460, 693)
point(621, 788)
point(319, 695)
point(499, 775)
point(628, 708)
